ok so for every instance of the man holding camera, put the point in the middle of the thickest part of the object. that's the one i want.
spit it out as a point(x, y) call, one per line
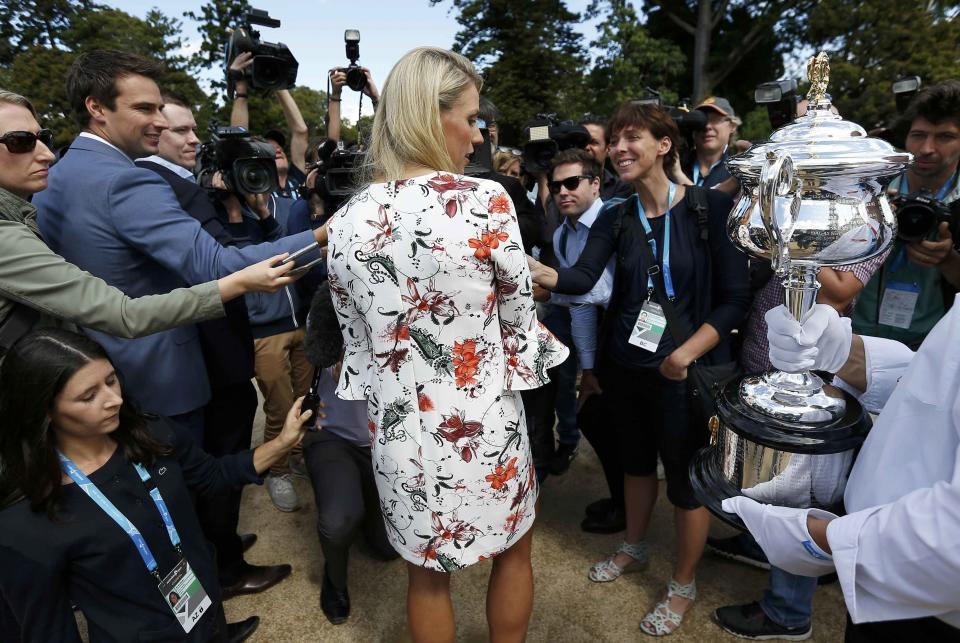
point(915, 286)
point(227, 346)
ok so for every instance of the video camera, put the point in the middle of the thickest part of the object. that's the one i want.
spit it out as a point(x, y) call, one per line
point(780, 98)
point(548, 135)
point(687, 120)
point(274, 67)
point(246, 166)
point(335, 174)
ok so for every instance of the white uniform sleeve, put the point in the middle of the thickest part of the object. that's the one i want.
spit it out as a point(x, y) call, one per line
point(901, 560)
point(887, 361)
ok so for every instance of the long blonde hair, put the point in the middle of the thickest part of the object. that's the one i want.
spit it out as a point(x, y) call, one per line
point(406, 127)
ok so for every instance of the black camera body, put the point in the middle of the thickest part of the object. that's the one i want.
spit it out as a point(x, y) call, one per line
point(919, 215)
point(274, 67)
point(780, 98)
point(356, 79)
point(336, 169)
point(687, 120)
point(548, 135)
point(247, 166)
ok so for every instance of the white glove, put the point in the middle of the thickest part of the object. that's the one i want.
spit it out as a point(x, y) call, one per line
point(782, 534)
point(822, 343)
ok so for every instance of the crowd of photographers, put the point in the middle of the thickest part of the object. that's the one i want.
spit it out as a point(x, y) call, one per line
point(143, 204)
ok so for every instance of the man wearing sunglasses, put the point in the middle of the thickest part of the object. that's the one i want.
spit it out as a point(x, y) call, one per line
point(38, 287)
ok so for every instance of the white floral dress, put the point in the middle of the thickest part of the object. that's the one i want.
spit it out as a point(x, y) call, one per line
point(433, 293)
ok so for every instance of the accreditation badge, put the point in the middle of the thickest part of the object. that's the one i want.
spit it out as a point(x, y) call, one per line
point(649, 328)
point(898, 303)
point(185, 595)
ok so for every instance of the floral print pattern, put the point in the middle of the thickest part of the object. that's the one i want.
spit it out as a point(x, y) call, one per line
point(434, 297)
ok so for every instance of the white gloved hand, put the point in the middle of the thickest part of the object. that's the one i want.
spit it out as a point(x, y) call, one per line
point(822, 343)
point(782, 534)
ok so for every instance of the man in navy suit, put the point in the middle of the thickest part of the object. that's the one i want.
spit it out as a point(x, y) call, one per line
point(124, 224)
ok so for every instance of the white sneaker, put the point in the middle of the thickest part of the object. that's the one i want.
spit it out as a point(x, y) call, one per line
point(282, 493)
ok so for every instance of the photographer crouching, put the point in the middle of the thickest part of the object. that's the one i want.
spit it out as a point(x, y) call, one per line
point(915, 286)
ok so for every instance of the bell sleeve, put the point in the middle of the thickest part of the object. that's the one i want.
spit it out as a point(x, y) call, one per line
point(529, 349)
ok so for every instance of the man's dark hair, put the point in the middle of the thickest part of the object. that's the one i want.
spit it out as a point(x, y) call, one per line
point(588, 163)
point(937, 103)
point(96, 73)
point(600, 121)
point(652, 118)
point(171, 97)
point(488, 111)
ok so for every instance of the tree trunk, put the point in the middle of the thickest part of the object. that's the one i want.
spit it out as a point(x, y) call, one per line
point(701, 51)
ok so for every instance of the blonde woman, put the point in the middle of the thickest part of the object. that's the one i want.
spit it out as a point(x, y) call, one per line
point(507, 163)
point(434, 297)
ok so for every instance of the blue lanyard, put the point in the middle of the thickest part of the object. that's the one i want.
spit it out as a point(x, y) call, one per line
point(941, 193)
point(667, 277)
point(697, 180)
point(111, 510)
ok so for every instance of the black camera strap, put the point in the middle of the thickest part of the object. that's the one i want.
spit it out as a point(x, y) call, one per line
point(16, 324)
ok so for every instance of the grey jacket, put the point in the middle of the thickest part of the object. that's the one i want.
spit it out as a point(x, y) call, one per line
point(33, 275)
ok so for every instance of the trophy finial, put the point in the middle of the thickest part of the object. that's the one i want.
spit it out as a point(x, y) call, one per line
point(818, 72)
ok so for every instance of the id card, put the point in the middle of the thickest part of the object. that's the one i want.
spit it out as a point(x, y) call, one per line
point(898, 303)
point(184, 595)
point(649, 328)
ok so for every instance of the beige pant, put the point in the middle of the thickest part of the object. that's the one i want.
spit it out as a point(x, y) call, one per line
point(283, 375)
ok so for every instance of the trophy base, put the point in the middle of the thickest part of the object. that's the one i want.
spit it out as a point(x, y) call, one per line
point(711, 488)
point(793, 397)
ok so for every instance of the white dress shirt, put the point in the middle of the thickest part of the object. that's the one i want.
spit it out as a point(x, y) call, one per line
point(180, 171)
point(897, 552)
point(583, 308)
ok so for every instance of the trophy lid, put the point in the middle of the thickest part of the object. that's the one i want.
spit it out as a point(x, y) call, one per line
point(820, 142)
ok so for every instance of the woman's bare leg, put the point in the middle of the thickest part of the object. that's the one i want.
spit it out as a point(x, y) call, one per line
point(510, 593)
point(429, 609)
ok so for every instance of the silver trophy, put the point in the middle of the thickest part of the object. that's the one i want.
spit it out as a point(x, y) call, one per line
point(813, 196)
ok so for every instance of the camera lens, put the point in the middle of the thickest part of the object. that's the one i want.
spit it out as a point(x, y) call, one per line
point(252, 177)
point(914, 220)
point(356, 79)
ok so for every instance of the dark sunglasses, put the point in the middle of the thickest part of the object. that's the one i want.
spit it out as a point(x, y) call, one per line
point(571, 183)
point(23, 142)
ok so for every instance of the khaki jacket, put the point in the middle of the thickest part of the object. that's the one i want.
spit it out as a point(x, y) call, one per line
point(33, 275)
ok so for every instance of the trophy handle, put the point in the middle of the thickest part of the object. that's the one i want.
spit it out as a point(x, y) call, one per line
point(776, 179)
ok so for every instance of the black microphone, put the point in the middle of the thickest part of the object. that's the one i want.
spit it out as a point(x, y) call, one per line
point(324, 343)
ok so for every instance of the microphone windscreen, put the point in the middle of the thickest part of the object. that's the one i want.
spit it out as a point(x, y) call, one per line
point(324, 344)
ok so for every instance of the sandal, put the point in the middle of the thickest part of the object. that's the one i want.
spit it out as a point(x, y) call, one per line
point(607, 570)
point(662, 620)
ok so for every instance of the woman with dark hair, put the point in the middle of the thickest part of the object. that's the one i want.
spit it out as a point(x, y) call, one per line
point(642, 370)
point(96, 502)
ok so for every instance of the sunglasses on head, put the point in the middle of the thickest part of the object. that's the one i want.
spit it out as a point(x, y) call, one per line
point(23, 142)
point(571, 183)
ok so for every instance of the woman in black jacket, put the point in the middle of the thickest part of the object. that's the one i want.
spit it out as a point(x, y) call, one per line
point(642, 370)
point(80, 466)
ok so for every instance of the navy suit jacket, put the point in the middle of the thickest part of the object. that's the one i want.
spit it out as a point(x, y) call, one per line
point(123, 224)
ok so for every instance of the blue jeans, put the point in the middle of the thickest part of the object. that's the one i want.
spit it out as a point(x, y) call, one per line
point(789, 599)
point(557, 320)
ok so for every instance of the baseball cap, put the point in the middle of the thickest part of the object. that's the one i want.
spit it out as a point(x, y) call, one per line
point(276, 135)
point(718, 104)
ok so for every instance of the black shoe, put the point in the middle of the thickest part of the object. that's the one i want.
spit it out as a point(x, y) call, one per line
point(247, 541)
point(242, 630)
point(609, 522)
point(252, 579)
point(828, 579)
point(732, 549)
point(751, 622)
point(599, 507)
point(334, 602)
point(562, 458)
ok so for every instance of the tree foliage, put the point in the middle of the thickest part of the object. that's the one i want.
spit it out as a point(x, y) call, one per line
point(215, 21)
point(531, 56)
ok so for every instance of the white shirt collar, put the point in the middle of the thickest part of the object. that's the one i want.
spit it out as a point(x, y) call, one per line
point(102, 140)
point(173, 167)
point(588, 217)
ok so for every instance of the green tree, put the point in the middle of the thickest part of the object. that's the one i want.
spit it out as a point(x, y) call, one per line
point(266, 113)
point(874, 42)
point(629, 59)
point(26, 25)
point(216, 19)
point(530, 53)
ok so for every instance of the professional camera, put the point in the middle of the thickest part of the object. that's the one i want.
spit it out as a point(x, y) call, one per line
point(780, 98)
point(687, 120)
point(481, 160)
point(246, 166)
point(919, 215)
point(274, 67)
point(547, 135)
point(356, 79)
point(335, 174)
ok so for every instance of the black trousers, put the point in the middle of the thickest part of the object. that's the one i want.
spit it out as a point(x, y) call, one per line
point(346, 495)
point(908, 631)
point(228, 429)
point(594, 420)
